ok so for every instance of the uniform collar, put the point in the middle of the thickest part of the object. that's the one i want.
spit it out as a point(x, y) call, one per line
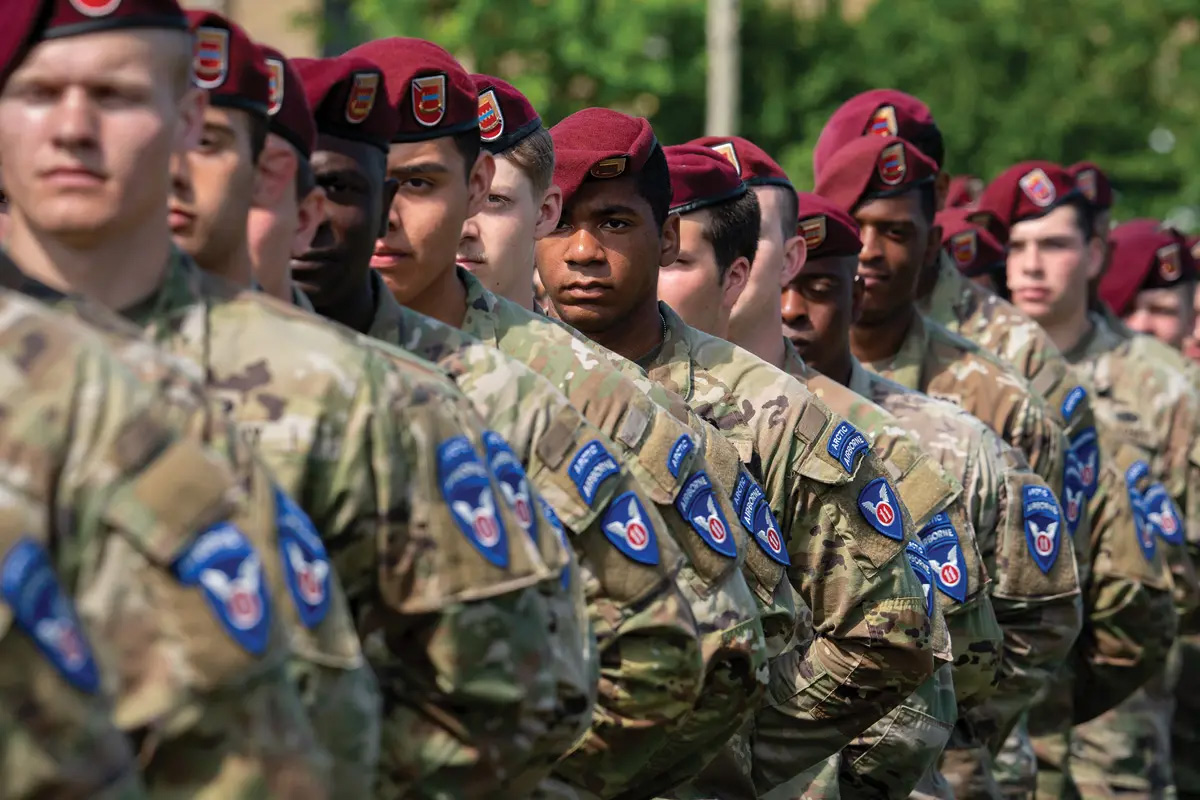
point(482, 306)
point(674, 357)
point(388, 310)
point(860, 379)
point(950, 299)
point(906, 366)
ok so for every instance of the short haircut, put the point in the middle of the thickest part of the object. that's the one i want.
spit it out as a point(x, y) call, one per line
point(791, 212)
point(1085, 216)
point(259, 128)
point(654, 185)
point(467, 145)
point(534, 156)
point(931, 144)
point(732, 230)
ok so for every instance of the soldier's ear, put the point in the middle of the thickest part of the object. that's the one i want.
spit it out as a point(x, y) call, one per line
point(549, 212)
point(311, 214)
point(192, 105)
point(795, 254)
point(669, 241)
point(479, 182)
point(275, 173)
point(390, 187)
point(734, 282)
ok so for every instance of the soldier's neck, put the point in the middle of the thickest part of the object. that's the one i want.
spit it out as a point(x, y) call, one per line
point(357, 311)
point(118, 272)
point(236, 267)
point(445, 299)
point(881, 339)
point(638, 334)
point(760, 335)
point(836, 367)
point(1068, 330)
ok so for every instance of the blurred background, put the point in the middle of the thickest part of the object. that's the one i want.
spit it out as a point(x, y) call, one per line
point(1113, 81)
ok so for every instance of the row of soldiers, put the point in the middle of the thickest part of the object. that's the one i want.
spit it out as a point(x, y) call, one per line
point(771, 494)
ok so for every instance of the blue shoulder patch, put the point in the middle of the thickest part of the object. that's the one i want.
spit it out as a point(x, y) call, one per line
point(877, 503)
point(750, 502)
point(513, 482)
point(627, 526)
point(1085, 449)
point(591, 466)
point(1142, 528)
point(46, 614)
point(554, 522)
point(679, 451)
point(944, 550)
point(698, 505)
point(223, 563)
point(846, 444)
point(305, 563)
point(1074, 493)
point(919, 562)
point(1072, 400)
point(1042, 523)
point(468, 492)
point(1162, 514)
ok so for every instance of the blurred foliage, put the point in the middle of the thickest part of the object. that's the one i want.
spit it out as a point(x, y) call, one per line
point(1113, 81)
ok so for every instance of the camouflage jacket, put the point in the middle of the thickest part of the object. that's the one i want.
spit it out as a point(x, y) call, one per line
point(656, 447)
point(828, 489)
point(163, 544)
point(387, 461)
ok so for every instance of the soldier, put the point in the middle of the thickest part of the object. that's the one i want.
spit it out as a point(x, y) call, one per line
point(1053, 255)
point(600, 271)
point(332, 428)
point(963, 191)
point(1150, 280)
point(717, 244)
point(293, 205)
point(975, 252)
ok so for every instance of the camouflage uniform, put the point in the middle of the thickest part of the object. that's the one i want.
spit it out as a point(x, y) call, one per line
point(655, 445)
point(380, 460)
point(890, 758)
point(822, 695)
point(1039, 611)
point(160, 542)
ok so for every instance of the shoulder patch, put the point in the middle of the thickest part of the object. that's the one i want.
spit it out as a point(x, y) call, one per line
point(591, 466)
point(561, 532)
point(627, 526)
point(750, 502)
point(846, 444)
point(919, 562)
point(223, 563)
point(305, 561)
point(679, 451)
point(514, 483)
point(698, 505)
point(1072, 400)
point(944, 551)
point(1074, 493)
point(1162, 514)
point(465, 487)
point(877, 503)
point(1085, 450)
point(1042, 523)
point(46, 614)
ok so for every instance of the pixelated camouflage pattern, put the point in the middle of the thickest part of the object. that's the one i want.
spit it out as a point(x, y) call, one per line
point(948, 367)
point(354, 437)
point(118, 495)
point(644, 432)
point(635, 608)
point(867, 606)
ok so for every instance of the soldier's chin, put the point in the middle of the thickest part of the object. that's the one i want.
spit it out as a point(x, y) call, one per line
point(586, 317)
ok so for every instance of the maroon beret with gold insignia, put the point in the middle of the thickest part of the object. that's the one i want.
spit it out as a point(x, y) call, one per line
point(291, 116)
point(348, 96)
point(963, 191)
point(974, 250)
point(828, 231)
point(756, 167)
point(871, 167)
point(879, 112)
point(599, 144)
point(432, 93)
point(1093, 184)
point(1028, 190)
point(506, 116)
point(1145, 254)
point(700, 177)
point(26, 22)
point(228, 64)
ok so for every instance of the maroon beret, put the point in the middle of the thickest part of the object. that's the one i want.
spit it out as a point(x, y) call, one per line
point(432, 92)
point(964, 191)
point(1093, 184)
point(348, 96)
point(27, 22)
point(828, 231)
point(873, 166)
point(291, 116)
point(974, 250)
point(700, 177)
point(756, 167)
point(599, 143)
point(882, 112)
point(505, 115)
point(1028, 190)
point(990, 222)
point(228, 64)
point(1145, 254)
